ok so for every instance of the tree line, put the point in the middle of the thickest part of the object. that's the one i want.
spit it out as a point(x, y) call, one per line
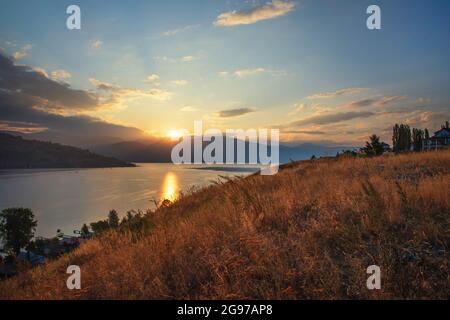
point(406, 139)
point(18, 226)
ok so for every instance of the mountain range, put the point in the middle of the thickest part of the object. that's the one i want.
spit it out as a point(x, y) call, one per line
point(160, 150)
point(18, 153)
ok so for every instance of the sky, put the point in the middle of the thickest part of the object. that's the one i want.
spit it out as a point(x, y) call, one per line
point(311, 68)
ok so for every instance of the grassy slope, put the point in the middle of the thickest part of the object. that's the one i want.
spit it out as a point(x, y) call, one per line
point(308, 232)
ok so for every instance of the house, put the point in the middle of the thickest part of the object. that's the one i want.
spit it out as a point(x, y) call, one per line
point(33, 258)
point(440, 139)
point(69, 240)
point(386, 147)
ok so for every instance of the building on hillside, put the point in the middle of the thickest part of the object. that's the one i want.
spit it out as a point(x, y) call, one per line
point(440, 139)
point(386, 147)
point(31, 257)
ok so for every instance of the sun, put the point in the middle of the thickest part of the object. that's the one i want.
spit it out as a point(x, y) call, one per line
point(174, 134)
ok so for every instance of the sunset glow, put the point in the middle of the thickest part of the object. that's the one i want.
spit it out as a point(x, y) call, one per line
point(174, 134)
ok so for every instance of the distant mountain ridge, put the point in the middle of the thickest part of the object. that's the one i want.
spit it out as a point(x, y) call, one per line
point(160, 151)
point(18, 153)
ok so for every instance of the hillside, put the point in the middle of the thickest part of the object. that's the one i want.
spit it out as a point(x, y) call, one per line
point(18, 153)
point(308, 232)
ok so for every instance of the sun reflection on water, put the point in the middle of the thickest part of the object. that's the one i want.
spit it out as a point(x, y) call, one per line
point(170, 187)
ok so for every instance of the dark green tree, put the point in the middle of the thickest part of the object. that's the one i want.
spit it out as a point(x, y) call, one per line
point(113, 219)
point(396, 138)
point(85, 230)
point(373, 147)
point(17, 227)
point(406, 137)
point(100, 226)
point(417, 137)
point(401, 138)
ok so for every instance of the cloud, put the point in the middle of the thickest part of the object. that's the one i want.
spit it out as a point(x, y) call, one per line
point(32, 102)
point(173, 32)
point(379, 102)
point(60, 74)
point(96, 44)
point(390, 99)
point(427, 119)
point(362, 103)
point(188, 58)
point(24, 113)
point(422, 100)
point(188, 109)
point(179, 83)
point(234, 112)
point(301, 107)
point(101, 85)
point(116, 94)
point(51, 94)
point(20, 126)
point(18, 55)
point(41, 71)
point(328, 118)
point(310, 132)
point(248, 72)
point(152, 78)
point(271, 10)
point(337, 93)
point(242, 73)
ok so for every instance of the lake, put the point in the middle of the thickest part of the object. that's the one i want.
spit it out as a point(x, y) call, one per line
point(66, 198)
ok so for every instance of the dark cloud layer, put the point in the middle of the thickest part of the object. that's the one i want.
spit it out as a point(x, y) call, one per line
point(234, 112)
point(311, 132)
point(363, 103)
point(34, 83)
point(331, 118)
point(29, 98)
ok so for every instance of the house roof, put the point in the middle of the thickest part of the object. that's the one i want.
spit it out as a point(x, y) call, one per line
point(444, 132)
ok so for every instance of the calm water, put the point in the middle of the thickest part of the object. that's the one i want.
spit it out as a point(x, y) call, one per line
point(65, 199)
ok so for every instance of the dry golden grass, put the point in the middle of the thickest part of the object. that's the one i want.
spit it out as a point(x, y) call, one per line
point(308, 232)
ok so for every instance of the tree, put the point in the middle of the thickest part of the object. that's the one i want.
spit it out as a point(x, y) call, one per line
point(113, 219)
point(401, 138)
point(418, 137)
point(396, 138)
point(446, 125)
point(347, 153)
point(17, 227)
point(85, 231)
point(100, 226)
point(374, 147)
